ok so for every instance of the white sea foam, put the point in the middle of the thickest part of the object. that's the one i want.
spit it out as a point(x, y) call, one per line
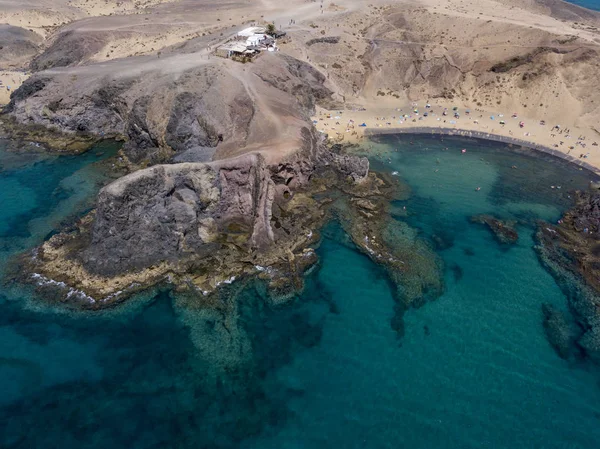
point(72, 292)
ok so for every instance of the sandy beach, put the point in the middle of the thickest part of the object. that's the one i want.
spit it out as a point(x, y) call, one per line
point(9, 82)
point(581, 146)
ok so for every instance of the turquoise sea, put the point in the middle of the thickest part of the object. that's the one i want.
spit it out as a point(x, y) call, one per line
point(589, 4)
point(473, 368)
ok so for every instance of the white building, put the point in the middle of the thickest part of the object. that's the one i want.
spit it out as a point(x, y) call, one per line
point(249, 32)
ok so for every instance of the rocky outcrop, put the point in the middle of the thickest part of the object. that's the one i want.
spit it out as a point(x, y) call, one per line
point(211, 111)
point(504, 231)
point(571, 252)
point(575, 242)
point(170, 212)
point(199, 225)
point(413, 268)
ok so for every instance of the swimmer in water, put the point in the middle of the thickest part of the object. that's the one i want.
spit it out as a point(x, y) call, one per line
point(478, 189)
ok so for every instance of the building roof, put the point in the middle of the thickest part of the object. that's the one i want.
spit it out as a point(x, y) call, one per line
point(238, 47)
point(256, 38)
point(251, 31)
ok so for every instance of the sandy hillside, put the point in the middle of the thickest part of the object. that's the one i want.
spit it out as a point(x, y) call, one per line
point(536, 58)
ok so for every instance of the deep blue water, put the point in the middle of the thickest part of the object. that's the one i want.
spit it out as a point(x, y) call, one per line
point(589, 4)
point(473, 368)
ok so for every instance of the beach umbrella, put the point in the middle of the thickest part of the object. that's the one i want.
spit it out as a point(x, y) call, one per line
point(455, 108)
point(492, 117)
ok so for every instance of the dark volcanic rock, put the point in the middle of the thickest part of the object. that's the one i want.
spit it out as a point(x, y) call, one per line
point(574, 243)
point(140, 144)
point(167, 212)
point(30, 87)
point(323, 40)
point(570, 252)
point(199, 225)
point(213, 111)
point(504, 231)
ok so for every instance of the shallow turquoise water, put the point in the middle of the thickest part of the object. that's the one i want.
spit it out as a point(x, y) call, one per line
point(473, 368)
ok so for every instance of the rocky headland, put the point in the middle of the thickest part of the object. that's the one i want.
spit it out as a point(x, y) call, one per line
point(228, 175)
point(196, 225)
point(571, 251)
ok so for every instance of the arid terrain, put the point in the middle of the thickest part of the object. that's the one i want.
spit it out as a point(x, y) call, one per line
point(538, 59)
point(243, 138)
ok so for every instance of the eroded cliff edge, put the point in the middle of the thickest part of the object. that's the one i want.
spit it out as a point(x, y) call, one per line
point(194, 111)
point(198, 226)
point(236, 186)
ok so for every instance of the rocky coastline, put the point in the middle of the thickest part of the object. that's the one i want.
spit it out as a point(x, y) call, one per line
point(197, 226)
point(571, 252)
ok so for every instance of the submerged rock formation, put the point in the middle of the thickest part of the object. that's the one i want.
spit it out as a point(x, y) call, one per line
point(504, 231)
point(560, 333)
point(571, 252)
point(411, 264)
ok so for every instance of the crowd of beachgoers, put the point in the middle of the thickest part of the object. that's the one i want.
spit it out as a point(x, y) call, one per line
point(349, 126)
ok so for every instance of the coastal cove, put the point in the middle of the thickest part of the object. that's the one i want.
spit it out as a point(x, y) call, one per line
point(326, 368)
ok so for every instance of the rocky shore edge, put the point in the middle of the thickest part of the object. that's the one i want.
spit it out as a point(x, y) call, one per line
point(571, 252)
point(198, 226)
point(52, 140)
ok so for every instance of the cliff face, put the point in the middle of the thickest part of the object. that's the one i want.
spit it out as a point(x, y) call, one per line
point(200, 225)
point(169, 212)
point(179, 111)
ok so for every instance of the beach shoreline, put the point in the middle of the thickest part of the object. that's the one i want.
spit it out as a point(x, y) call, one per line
point(578, 145)
point(522, 144)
